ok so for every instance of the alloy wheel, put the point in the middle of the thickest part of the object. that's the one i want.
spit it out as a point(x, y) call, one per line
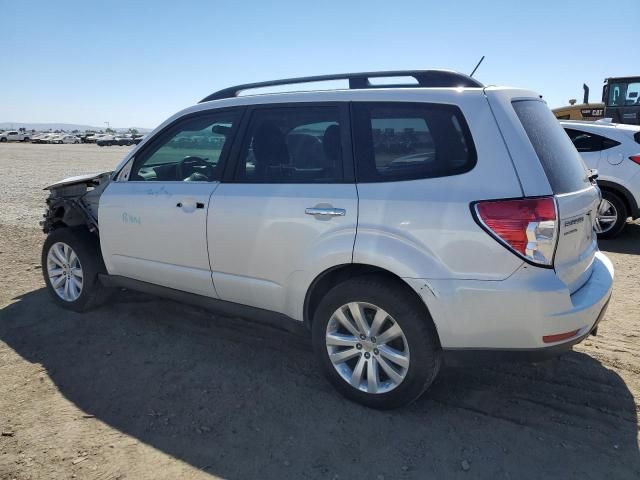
point(367, 347)
point(65, 271)
point(607, 216)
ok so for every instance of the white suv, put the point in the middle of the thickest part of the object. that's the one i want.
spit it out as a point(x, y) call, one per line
point(614, 150)
point(401, 223)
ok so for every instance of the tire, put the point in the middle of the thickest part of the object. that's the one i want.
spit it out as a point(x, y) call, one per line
point(3, 140)
point(418, 342)
point(615, 207)
point(86, 248)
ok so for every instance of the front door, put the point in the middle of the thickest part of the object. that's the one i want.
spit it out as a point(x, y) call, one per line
point(287, 211)
point(153, 223)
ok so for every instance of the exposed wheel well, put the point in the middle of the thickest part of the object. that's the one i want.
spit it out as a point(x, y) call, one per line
point(63, 213)
point(333, 276)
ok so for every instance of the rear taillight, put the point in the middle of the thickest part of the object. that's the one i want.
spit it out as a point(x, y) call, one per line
point(635, 158)
point(527, 226)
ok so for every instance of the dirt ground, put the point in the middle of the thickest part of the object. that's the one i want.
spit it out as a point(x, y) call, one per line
point(148, 388)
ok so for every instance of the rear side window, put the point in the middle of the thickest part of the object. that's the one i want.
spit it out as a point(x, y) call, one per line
point(560, 160)
point(589, 142)
point(407, 141)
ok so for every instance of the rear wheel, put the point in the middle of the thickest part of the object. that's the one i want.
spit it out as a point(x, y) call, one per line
point(375, 342)
point(71, 262)
point(612, 215)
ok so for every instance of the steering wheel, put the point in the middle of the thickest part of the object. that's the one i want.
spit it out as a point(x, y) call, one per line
point(187, 167)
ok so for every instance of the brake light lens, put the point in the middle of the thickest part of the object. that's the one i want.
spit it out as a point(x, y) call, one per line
point(635, 158)
point(527, 226)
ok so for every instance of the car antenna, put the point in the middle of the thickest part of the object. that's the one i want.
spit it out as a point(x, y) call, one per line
point(474, 70)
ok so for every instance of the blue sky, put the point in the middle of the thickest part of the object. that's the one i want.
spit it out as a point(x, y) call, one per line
point(136, 63)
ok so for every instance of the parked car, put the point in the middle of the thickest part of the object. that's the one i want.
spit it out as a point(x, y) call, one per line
point(614, 150)
point(42, 138)
point(125, 140)
point(37, 137)
point(397, 252)
point(69, 139)
point(95, 137)
point(83, 137)
point(46, 138)
point(14, 136)
point(138, 138)
point(112, 140)
point(106, 140)
point(56, 139)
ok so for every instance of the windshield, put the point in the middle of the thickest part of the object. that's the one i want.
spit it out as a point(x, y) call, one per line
point(624, 94)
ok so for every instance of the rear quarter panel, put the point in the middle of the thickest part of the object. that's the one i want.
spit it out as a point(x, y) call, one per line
point(424, 228)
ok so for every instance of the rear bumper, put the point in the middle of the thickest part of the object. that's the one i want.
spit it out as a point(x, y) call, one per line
point(509, 318)
point(470, 356)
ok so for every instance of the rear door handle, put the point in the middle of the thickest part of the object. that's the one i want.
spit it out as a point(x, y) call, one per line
point(326, 211)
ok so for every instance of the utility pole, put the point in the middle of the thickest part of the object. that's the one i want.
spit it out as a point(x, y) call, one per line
point(107, 124)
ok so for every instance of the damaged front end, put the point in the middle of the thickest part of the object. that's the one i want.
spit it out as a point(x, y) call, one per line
point(74, 202)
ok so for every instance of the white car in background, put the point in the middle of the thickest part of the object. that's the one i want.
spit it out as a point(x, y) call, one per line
point(14, 136)
point(94, 138)
point(614, 150)
point(70, 139)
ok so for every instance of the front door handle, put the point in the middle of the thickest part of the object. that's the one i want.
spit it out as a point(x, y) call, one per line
point(189, 205)
point(198, 205)
point(326, 211)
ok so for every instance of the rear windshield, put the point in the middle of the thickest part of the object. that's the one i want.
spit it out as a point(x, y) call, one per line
point(559, 158)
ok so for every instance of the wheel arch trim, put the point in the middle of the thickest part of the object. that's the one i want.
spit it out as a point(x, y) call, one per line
point(324, 281)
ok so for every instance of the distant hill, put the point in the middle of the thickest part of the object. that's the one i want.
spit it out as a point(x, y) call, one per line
point(61, 126)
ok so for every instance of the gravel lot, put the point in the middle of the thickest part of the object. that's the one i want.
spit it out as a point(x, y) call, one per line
point(147, 388)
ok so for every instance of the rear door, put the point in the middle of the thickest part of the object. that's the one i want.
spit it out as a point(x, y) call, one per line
point(153, 220)
point(548, 164)
point(289, 208)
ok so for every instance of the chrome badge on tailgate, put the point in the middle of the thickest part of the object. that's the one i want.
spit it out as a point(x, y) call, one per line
point(572, 222)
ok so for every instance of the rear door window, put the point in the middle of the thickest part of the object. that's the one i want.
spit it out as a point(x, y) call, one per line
point(407, 141)
point(589, 142)
point(560, 160)
point(292, 145)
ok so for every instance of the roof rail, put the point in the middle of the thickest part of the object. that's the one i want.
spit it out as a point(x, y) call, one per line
point(425, 78)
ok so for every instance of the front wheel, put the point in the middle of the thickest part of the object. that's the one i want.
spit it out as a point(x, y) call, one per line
point(71, 262)
point(375, 342)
